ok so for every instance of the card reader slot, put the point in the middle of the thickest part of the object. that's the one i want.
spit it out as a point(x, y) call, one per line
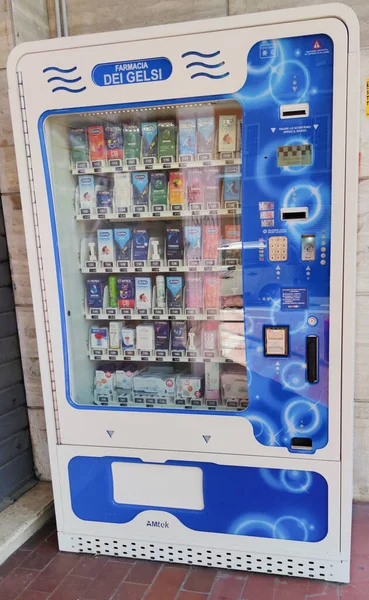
point(312, 358)
point(301, 443)
point(294, 111)
point(295, 213)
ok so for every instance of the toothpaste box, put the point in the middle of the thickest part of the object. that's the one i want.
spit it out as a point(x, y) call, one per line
point(95, 293)
point(140, 244)
point(192, 242)
point(174, 291)
point(162, 335)
point(211, 243)
point(99, 338)
point(104, 199)
point(114, 142)
point(145, 339)
point(122, 191)
point(167, 139)
point(87, 194)
point(140, 188)
point(174, 247)
point(131, 142)
point(78, 145)
point(187, 137)
point(143, 294)
point(177, 187)
point(195, 188)
point(126, 292)
point(105, 245)
point(159, 188)
point(96, 143)
point(123, 243)
point(227, 133)
point(149, 133)
point(205, 135)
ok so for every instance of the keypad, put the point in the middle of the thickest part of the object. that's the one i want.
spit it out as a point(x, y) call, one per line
point(278, 248)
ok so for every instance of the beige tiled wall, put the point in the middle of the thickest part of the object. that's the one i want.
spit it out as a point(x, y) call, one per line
point(90, 16)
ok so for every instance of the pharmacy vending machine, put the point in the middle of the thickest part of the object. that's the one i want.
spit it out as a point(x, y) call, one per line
point(189, 200)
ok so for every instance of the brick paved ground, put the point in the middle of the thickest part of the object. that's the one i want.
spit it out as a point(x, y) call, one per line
point(37, 571)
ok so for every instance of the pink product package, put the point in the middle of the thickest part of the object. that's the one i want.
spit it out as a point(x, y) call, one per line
point(212, 290)
point(211, 241)
point(193, 291)
point(195, 187)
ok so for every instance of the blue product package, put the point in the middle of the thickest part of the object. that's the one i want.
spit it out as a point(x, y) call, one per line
point(104, 199)
point(149, 138)
point(232, 187)
point(95, 293)
point(192, 239)
point(123, 243)
point(114, 141)
point(175, 292)
point(140, 244)
point(161, 329)
point(174, 247)
point(187, 137)
point(205, 135)
point(179, 335)
point(140, 187)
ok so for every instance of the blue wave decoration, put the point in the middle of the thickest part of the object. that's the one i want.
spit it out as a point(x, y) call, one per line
point(64, 80)
point(201, 64)
point(209, 75)
point(59, 70)
point(65, 89)
point(200, 54)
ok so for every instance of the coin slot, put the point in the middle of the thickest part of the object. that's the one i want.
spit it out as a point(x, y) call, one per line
point(301, 443)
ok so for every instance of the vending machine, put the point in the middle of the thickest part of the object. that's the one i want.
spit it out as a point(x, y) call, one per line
point(189, 197)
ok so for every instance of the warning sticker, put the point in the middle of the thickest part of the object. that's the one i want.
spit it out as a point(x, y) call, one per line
point(367, 97)
point(293, 298)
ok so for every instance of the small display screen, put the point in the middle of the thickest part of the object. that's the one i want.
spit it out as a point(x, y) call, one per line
point(294, 156)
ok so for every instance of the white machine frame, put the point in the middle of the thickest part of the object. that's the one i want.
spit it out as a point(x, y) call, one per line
point(68, 435)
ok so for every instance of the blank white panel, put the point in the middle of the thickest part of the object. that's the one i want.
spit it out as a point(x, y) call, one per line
point(158, 485)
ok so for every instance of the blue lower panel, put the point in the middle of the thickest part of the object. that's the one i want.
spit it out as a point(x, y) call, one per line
point(269, 503)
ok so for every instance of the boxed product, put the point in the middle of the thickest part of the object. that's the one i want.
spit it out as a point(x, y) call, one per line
point(143, 293)
point(158, 188)
point(115, 329)
point(212, 290)
point(174, 291)
point(149, 139)
point(206, 135)
point(87, 193)
point(232, 188)
point(232, 243)
point(104, 199)
point(131, 142)
point(124, 377)
point(227, 133)
point(105, 379)
point(239, 136)
point(114, 142)
point(210, 340)
point(155, 381)
point(177, 187)
point(192, 242)
point(123, 243)
point(78, 145)
point(105, 245)
point(95, 293)
point(212, 187)
point(99, 338)
point(187, 137)
point(174, 246)
point(123, 191)
point(113, 291)
point(128, 337)
point(162, 335)
point(233, 384)
point(140, 244)
point(140, 188)
point(167, 139)
point(96, 143)
point(179, 336)
point(189, 387)
point(194, 291)
point(195, 188)
point(211, 243)
point(126, 292)
point(212, 383)
point(145, 338)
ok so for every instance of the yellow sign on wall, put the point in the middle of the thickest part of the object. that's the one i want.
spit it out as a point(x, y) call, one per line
point(367, 97)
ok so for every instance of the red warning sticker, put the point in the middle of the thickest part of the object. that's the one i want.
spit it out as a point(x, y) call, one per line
point(316, 45)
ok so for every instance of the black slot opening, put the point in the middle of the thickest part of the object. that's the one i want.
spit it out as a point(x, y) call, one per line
point(290, 216)
point(312, 358)
point(294, 113)
point(301, 443)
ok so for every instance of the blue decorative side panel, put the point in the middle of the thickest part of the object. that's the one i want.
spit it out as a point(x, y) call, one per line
point(290, 292)
point(248, 501)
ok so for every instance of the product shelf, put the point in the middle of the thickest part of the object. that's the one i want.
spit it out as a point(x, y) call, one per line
point(161, 269)
point(155, 216)
point(234, 315)
point(161, 359)
point(159, 166)
point(233, 405)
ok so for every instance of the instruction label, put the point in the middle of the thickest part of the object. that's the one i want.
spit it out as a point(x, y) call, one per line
point(293, 298)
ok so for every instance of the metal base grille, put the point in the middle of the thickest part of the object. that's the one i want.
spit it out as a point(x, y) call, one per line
point(327, 570)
